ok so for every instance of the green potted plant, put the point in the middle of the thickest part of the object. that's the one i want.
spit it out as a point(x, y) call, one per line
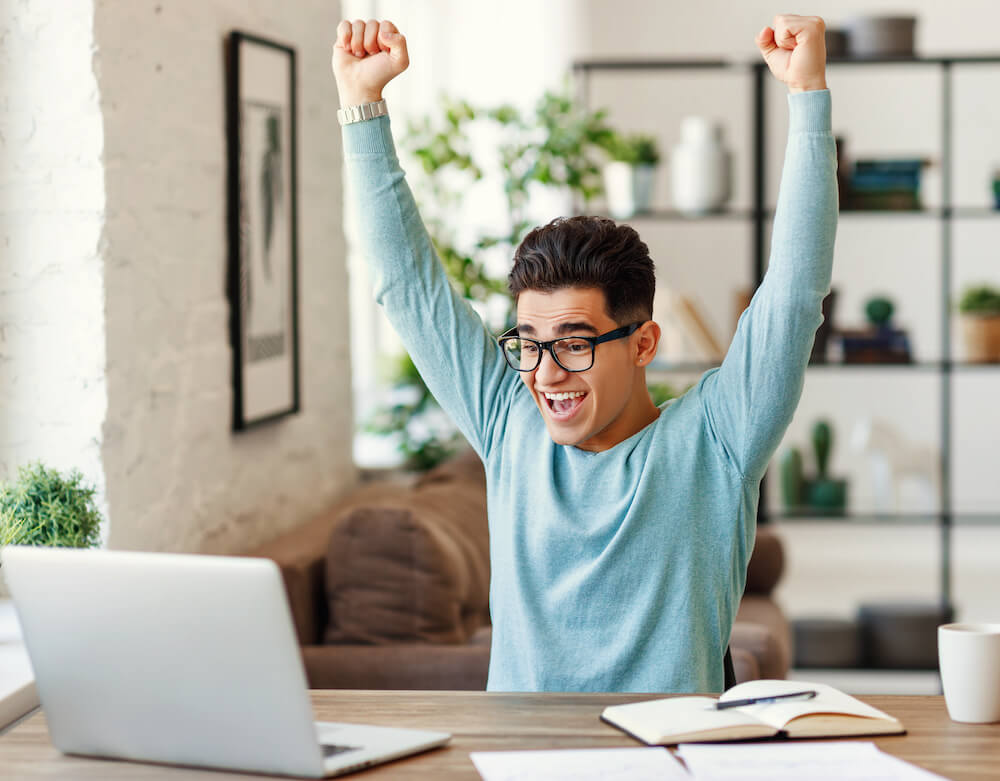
point(43, 507)
point(979, 308)
point(629, 173)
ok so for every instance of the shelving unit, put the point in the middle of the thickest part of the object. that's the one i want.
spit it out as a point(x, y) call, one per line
point(758, 215)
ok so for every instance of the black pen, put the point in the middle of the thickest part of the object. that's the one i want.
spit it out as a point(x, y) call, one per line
point(806, 695)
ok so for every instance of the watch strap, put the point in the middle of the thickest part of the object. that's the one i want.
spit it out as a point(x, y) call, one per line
point(362, 112)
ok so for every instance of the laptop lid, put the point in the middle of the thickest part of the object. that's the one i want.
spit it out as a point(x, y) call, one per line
point(181, 659)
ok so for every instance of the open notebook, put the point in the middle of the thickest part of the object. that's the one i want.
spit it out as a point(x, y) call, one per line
point(830, 713)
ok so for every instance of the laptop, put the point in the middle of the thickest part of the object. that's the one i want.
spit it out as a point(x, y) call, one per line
point(180, 659)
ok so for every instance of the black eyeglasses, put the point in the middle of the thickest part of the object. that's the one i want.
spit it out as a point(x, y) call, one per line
point(572, 353)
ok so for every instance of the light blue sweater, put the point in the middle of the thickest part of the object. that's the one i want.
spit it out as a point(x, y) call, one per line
point(619, 570)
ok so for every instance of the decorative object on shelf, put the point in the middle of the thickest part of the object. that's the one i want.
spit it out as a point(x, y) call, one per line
point(792, 478)
point(885, 184)
point(980, 317)
point(904, 475)
point(820, 494)
point(825, 330)
point(836, 42)
point(43, 507)
point(824, 493)
point(628, 177)
point(700, 178)
point(263, 253)
point(685, 336)
point(901, 636)
point(879, 343)
point(879, 311)
point(995, 188)
point(881, 36)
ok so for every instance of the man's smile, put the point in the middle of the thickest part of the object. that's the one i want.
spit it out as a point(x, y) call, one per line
point(563, 405)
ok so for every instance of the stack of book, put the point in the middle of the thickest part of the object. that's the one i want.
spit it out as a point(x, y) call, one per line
point(870, 345)
point(885, 184)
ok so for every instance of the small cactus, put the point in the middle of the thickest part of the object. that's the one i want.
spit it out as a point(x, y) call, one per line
point(792, 478)
point(822, 439)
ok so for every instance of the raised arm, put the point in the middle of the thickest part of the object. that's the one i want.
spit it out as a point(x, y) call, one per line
point(750, 400)
point(455, 354)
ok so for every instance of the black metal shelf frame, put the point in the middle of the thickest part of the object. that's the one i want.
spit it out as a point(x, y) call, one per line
point(759, 213)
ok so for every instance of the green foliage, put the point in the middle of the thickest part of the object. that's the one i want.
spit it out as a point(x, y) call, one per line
point(420, 451)
point(633, 149)
point(660, 392)
point(556, 145)
point(43, 507)
point(879, 311)
point(980, 300)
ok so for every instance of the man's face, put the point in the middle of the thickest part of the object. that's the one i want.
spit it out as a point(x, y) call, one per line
point(594, 409)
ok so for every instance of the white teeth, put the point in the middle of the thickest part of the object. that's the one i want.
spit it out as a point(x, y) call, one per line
point(564, 396)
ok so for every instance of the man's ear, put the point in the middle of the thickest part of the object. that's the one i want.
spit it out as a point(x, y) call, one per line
point(649, 339)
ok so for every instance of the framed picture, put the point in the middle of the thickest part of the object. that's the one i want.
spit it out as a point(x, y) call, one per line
point(263, 255)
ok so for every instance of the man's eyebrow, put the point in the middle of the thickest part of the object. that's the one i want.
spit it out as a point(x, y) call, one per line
point(569, 328)
point(562, 328)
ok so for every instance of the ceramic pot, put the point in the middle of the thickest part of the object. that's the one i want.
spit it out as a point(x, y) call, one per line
point(699, 168)
point(628, 188)
point(981, 334)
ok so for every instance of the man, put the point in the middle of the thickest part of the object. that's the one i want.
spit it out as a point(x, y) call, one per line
point(619, 532)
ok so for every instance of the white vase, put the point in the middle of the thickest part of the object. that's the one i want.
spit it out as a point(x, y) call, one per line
point(699, 168)
point(628, 188)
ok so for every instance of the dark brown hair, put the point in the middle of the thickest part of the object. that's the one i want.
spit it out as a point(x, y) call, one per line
point(590, 252)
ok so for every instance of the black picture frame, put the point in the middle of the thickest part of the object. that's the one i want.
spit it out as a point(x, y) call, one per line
point(263, 229)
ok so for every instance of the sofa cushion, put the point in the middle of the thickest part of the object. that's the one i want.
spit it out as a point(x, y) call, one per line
point(767, 561)
point(762, 628)
point(413, 567)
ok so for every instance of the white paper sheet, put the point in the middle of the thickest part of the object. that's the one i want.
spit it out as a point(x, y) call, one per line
point(820, 761)
point(592, 764)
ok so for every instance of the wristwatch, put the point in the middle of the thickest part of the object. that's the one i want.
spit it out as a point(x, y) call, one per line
point(363, 112)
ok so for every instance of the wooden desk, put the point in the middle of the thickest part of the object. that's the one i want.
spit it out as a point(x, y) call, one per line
point(496, 722)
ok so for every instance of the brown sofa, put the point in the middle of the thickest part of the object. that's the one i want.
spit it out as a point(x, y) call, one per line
point(389, 588)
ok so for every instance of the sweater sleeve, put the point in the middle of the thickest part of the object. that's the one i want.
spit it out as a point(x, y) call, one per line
point(751, 398)
point(452, 349)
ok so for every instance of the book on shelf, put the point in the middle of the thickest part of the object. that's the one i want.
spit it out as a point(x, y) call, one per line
point(829, 713)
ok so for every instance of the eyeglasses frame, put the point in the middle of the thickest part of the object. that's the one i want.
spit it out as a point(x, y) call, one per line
point(610, 336)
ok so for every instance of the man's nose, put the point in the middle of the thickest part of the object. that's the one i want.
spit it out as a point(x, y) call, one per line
point(548, 370)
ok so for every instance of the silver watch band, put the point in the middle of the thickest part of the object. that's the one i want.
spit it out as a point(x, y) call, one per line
point(363, 112)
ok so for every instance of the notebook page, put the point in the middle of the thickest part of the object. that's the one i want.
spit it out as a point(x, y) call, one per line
point(592, 764)
point(778, 714)
point(840, 761)
point(651, 719)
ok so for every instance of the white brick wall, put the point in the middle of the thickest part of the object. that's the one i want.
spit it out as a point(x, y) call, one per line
point(53, 393)
point(154, 334)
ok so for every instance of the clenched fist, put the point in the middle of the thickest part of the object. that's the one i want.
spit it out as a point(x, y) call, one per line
point(366, 57)
point(795, 51)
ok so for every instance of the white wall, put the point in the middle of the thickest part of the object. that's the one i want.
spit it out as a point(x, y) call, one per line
point(177, 477)
point(53, 393)
point(116, 312)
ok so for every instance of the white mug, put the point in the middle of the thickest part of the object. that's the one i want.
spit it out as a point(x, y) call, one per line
point(969, 658)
